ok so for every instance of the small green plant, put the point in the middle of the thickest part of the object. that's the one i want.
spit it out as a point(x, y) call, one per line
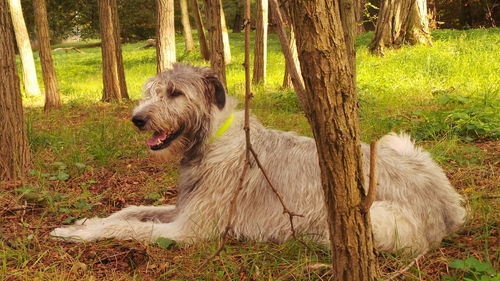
point(39, 197)
point(471, 269)
point(164, 243)
point(468, 117)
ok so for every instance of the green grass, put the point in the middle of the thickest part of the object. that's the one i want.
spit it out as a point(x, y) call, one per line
point(89, 161)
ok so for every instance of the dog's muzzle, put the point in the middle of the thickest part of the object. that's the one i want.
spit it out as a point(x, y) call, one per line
point(140, 121)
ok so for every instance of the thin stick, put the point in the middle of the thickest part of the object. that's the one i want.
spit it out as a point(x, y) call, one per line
point(372, 186)
point(232, 211)
point(246, 128)
point(249, 150)
point(406, 268)
point(285, 209)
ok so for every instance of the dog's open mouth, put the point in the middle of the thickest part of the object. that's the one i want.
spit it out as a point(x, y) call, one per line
point(162, 139)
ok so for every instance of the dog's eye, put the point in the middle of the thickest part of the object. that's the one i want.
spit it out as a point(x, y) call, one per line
point(176, 93)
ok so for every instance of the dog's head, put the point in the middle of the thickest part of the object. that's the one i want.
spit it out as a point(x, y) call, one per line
point(177, 107)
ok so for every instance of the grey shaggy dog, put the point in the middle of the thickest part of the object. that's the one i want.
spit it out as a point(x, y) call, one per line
point(184, 108)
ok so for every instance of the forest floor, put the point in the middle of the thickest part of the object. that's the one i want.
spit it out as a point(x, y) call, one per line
point(89, 161)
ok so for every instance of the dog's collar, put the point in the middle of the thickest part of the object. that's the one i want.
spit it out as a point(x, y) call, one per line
point(223, 128)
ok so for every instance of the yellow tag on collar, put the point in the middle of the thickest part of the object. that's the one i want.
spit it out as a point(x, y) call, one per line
point(223, 128)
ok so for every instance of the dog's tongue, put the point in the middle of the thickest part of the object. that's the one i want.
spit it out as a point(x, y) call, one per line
point(157, 138)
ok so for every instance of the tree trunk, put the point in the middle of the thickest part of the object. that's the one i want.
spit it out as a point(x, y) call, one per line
point(260, 52)
point(205, 53)
point(52, 96)
point(238, 18)
point(24, 46)
point(217, 60)
point(287, 79)
point(399, 22)
point(165, 35)
point(359, 11)
point(14, 149)
point(188, 37)
point(113, 75)
point(331, 108)
point(225, 36)
point(284, 9)
point(292, 68)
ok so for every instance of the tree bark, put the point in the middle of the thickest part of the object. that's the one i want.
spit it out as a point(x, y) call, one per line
point(225, 36)
point(260, 51)
point(23, 44)
point(359, 9)
point(52, 95)
point(217, 60)
point(331, 108)
point(14, 149)
point(186, 26)
point(165, 33)
point(205, 53)
point(287, 79)
point(400, 22)
point(113, 75)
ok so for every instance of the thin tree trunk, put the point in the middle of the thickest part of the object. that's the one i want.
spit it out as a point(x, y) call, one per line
point(14, 149)
point(225, 36)
point(359, 8)
point(331, 108)
point(165, 33)
point(113, 73)
point(52, 96)
point(292, 68)
point(188, 37)
point(260, 52)
point(23, 44)
point(238, 18)
point(205, 53)
point(292, 45)
point(399, 22)
point(217, 60)
point(287, 79)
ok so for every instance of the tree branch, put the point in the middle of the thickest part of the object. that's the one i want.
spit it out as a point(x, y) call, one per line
point(285, 209)
point(372, 186)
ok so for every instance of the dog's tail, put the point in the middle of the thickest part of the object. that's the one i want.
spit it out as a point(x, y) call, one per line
point(420, 195)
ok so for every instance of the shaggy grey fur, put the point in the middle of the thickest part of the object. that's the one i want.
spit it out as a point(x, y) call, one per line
point(414, 209)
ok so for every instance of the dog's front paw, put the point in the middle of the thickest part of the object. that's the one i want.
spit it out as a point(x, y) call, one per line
point(73, 233)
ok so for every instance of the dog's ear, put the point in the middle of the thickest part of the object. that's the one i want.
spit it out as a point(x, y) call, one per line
point(219, 95)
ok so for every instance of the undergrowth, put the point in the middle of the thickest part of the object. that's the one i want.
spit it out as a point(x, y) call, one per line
point(89, 161)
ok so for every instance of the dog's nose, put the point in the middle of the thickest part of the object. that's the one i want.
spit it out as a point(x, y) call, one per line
point(139, 121)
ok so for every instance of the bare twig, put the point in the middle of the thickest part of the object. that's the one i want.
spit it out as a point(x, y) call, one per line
point(232, 210)
point(15, 209)
point(372, 186)
point(285, 209)
point(69, 49)
point(487, 197)
point(249, 150)
point(406, 268)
